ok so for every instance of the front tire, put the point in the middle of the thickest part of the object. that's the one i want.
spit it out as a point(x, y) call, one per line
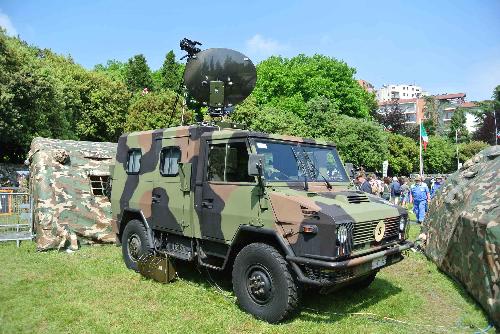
point(135, 244)
point(263, 283)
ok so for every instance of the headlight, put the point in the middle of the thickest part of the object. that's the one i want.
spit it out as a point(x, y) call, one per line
point(402, 223)
point(342, 233)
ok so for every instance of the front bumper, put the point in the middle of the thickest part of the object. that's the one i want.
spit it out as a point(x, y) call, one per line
point(327, 273)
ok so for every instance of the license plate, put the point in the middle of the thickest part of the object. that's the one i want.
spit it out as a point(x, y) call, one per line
point(381, 261)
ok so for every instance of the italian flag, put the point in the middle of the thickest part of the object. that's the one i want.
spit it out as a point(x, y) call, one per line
point(423, 136)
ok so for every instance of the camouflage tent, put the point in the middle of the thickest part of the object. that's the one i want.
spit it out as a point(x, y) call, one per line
point(463, 229)
point(68, 182)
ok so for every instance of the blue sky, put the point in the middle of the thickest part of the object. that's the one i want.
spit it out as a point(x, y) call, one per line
point(444, 46)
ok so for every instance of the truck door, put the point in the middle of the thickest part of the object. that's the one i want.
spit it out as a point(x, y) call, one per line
point(229, 195)
point(168, 199)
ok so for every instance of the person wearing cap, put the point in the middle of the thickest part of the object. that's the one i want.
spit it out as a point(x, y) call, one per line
point(436, 186)
point(419, 196)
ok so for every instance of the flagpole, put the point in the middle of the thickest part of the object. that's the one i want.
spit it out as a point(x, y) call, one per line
point(421, 163)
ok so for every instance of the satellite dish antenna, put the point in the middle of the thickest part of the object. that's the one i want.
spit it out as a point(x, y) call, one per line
point(219, 79)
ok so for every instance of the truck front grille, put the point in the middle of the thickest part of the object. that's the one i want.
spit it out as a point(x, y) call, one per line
point(363, 231)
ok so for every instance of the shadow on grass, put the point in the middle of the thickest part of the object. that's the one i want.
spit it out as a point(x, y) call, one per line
point(337, 305)
point(314, 306)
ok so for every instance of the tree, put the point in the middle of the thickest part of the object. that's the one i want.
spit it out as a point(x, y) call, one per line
point(245, 112)
point(170, 75)
point(487, 126)
point(468, 150)
point(104, 109)
point(432, 115)
point(457, 124)
point(155, 111)
point(361, 142)
point(31, 101)
point(392, 117)
point(321, 113)
point(403, 154)
point(440, 156)
point(302, 78)
point(115, 69)
point(138, 74)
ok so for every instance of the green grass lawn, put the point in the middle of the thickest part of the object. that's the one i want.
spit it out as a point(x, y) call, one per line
point(91, 291)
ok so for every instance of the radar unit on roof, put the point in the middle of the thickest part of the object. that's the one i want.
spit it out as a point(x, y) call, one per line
point(219, 78)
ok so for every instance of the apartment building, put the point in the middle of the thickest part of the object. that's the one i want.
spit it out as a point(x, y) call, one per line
point(388, 92)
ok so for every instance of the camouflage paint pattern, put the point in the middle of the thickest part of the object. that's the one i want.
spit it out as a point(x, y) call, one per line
point(284, 207)
point(463, 229)
point(65, 211)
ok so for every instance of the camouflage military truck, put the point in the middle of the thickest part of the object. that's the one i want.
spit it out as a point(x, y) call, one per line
point(279, 212)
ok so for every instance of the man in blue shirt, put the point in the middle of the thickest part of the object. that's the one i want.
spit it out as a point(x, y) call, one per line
point(419, 196)
point(435, 187)
point(395, 190)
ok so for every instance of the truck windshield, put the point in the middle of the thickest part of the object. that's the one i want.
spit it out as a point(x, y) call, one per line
point(282, 163)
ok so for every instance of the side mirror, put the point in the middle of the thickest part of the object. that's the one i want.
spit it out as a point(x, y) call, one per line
point(255, 164)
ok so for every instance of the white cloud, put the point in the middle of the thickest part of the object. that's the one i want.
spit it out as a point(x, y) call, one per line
point(6, 23)
point(262, 47)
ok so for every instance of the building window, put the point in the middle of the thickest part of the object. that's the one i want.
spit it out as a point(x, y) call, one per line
point(134, 161)
point(411, 117)
point(169, 161)
point(228, 163)
point(99, 184)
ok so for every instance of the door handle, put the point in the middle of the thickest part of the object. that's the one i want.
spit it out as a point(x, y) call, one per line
point(207, 204)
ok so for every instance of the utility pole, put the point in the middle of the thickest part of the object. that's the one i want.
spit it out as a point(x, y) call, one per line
point(456, 145)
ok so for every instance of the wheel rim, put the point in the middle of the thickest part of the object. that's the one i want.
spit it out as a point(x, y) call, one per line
point(259, 284)
point(134, 247)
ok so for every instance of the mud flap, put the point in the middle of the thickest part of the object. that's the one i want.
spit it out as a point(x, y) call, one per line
point(157, 267)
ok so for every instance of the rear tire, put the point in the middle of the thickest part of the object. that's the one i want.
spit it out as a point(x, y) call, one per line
point(135, 244)
point(263, 283)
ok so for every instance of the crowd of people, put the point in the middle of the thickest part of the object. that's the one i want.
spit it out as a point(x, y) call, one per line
point(402, 190)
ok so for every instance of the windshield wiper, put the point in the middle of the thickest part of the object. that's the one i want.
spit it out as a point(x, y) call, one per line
point(310, 163)
point(301, 164)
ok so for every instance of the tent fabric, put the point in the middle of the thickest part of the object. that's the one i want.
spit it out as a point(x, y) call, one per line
point(67, 212)
point(463, 229)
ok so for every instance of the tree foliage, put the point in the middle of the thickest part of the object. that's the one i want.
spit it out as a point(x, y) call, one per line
point(392, 117)
point(45, 94)
point(458, 128)
point(468, 150)
point(403, 154)
point(487, 126)
point(299, 79)
point(440, 156)
point(170, 73)
point(155, 111)
point(138, 74)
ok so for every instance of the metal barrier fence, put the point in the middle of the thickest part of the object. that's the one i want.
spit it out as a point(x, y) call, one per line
point(16, 219)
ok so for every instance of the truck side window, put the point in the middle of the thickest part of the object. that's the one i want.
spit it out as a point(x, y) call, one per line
point(169, 161)
point(216, 157)
point(228, 163)
point(237, 163)
point(134, 161)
